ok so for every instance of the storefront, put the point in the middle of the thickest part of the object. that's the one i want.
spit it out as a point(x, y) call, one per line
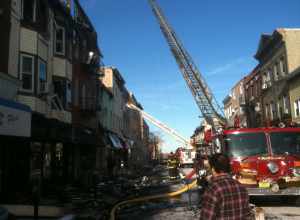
point(51, 152)
point(117, 159)
point(15, 133)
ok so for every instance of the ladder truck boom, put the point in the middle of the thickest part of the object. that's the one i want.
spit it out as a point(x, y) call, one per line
point(210, 109)
point(162, 126)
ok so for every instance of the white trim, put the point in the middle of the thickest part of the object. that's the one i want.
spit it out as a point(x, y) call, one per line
point(297, 107)
point(32, 73)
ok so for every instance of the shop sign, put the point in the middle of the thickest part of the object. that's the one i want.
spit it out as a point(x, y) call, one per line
point(15, 119)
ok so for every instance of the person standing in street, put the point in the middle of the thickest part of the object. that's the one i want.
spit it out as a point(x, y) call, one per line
point(225, 197)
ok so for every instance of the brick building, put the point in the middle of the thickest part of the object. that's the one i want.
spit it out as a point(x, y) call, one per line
point(234, 106)
point(40, 67)
point(278, 56)
point(253, 98)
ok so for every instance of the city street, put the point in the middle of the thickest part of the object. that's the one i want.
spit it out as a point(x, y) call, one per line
point(121, 110)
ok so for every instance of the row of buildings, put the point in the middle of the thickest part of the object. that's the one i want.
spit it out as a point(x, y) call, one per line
point(270, 93)
point(64, 116)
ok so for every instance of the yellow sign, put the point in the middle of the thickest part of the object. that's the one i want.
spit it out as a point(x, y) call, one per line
point(264, 185)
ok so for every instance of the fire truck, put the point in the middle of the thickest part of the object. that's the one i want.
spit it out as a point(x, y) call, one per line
point(265, 160)
point(186, 156)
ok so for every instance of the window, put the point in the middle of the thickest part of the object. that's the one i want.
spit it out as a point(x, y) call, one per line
point(267, 111)
point(83, 96)
point(29, 10)
point(27, 72)
point(275, 71)
point(269, 76)
point(246, 144)
point(68, 95)
point(285, 143)
point(255, 89)
point(241, 89)
point(62, 89)
point(282, 66)
point(251, 89)
point(273, 112)
point(60, 40)
point(266, 79)
point(42, 87)
point(279, 109)
point(297, 108)
point(233, 95)
point(42, 16)
point(285, 104)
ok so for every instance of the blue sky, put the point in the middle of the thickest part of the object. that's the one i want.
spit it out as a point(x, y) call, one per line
point(221, 36)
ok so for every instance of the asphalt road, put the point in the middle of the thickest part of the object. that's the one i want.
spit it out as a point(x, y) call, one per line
point(187, 207)
point(277, 208)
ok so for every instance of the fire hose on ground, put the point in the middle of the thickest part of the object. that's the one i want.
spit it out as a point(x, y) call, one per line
point(158, 196)
point(258, 211)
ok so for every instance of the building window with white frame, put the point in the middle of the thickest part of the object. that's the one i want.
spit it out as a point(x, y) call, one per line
point(267, 111)
point(28, 10)
point(273, 114)
point(297, 108)
point(59, 40)
point(275, 71)
point(282, 66)
point(42, 83)
point(279, 109)
point(264, 77)
point(269, 76)
point(68, 95)
point(285, 104)
point(27, 72)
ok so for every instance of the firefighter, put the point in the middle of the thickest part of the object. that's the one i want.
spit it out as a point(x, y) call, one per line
point(173, 165)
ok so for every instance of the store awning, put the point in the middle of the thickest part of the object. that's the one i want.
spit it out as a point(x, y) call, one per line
point(128, 143)
point(115, 140)
point(15, 119)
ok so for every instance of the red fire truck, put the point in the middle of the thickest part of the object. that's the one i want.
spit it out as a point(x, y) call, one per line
point(266, 160)
point(186, 156)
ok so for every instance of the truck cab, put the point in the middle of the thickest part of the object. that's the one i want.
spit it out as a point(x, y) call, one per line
point(265, 160)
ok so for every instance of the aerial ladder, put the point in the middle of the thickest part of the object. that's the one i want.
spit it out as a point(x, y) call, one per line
point(162, 126)
point(210, 109)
